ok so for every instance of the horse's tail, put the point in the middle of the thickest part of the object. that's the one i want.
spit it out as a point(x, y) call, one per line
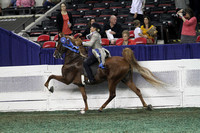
point(145, 73)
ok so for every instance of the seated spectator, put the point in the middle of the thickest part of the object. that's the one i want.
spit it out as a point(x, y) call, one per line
point(25, 3)
point(147, 27)
point(47, 3)
point(138, 31)
point(12, 4)
point(87, 30)
point(113, 30)
point(125, 39)
point(188, 34)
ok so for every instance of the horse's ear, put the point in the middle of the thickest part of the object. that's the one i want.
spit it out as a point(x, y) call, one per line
point(61, 34)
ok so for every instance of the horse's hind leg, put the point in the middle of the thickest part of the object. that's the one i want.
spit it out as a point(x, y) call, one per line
point(133, 87)
point(112, 93)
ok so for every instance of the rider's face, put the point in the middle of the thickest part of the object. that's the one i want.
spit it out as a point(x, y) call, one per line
point(92, 29)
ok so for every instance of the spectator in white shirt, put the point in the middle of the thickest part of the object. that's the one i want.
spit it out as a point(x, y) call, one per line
point(137, 31)
point(137, 9)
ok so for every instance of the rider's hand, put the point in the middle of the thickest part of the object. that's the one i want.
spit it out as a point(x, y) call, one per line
point(83, 43)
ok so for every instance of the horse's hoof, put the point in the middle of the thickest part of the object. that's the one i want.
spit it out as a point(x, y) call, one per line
point(82, 111)
point(51, 89)
point(100, 111)
point(150, 107)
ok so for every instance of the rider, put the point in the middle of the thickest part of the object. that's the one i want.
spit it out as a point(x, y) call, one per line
point(98, 53)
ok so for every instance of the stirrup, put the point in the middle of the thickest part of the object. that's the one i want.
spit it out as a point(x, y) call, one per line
point(101, 66)
point(90, 82)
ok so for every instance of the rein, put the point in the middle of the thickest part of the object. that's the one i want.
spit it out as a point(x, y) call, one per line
point(72, 49)
point(69, 45)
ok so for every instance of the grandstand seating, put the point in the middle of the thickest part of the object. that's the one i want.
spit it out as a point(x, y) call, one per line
point(161, 12)
point(24, 10)
point(83, 7)
point(108, 12)
point(131, 33)
point(140, 40)
point(49, 44)
point(91, 13)
point(91, 1)
point(100, 6)
point(107, 1)
point(117, 5)
point(55, 38)
point(105, 42)
point(198, 39)
point(13, 23)
point(123, 12)
point(77, 14)
point(118, 41)
point(42, 38)
point(71, 7)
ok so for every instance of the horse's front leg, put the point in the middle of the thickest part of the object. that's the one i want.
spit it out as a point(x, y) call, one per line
point(84, 95)
point(59, 78)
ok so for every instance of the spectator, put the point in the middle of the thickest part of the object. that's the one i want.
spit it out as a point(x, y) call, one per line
point(113, 30)
point(12, 4)
point(125, 39)
point(47, 3)
point(180, 4)
point(25, 3)
point(87, 30)
point(138, 31)
point(64, 20)
point(188, 33)
point(146, 28)
point(137, 9)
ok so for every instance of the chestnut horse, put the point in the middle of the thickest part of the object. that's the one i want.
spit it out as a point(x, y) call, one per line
point(117, 69)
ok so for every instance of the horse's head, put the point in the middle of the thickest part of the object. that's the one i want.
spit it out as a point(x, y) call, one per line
point(59, 49)
point(70, 42)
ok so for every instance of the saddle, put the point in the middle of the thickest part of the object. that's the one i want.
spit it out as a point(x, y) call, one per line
point(94, 68)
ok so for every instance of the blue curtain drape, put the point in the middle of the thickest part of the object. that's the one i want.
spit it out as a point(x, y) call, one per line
point(5, 56)
point(46, 57)
point(17, 51)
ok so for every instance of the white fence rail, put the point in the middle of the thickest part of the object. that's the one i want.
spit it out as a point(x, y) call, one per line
point(22, 88)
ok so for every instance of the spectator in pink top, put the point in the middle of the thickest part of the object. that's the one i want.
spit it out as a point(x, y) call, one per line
point(25, 3)
point(188, 34)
